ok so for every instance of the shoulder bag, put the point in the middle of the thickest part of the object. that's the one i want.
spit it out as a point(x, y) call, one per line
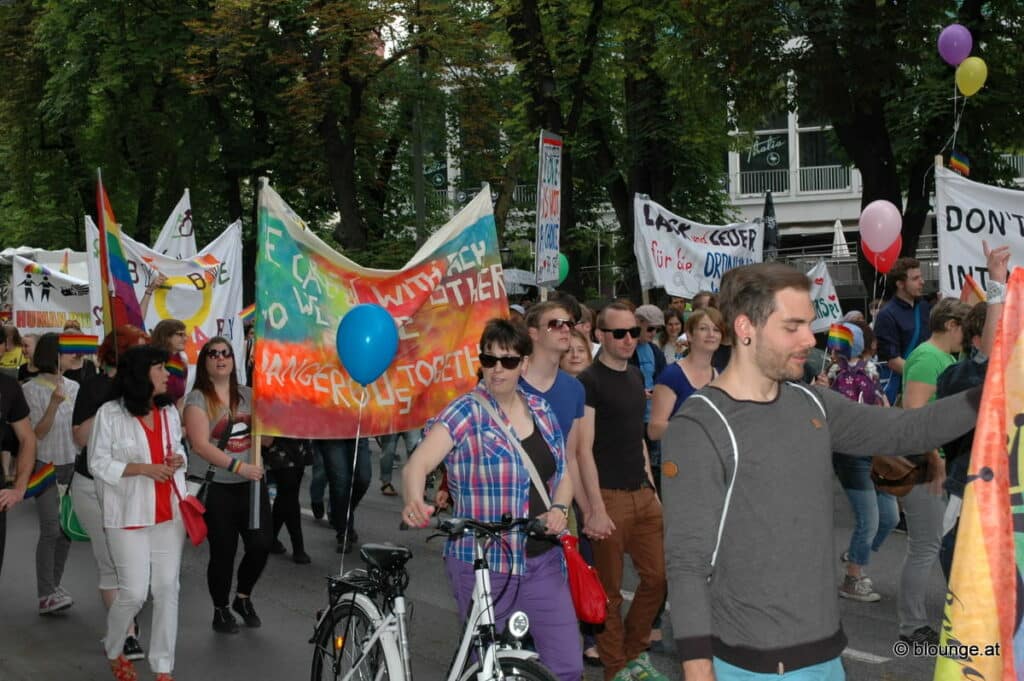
point(69, 523)
point(190, 507)
point(200, 487)
point(588, 595)
point(896, 475)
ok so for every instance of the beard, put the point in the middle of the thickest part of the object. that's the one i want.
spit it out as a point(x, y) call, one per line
point(775, 364)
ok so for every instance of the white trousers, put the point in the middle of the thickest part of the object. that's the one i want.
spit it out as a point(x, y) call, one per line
point(146, 559)
point(87, 508)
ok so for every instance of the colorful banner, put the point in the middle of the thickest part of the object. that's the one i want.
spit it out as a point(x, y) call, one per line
point(45, 298)
point(204, 292)
point(120, 304)
point(177, 239)
point(966, 214)
point(440, 300)
point(823, 294)
point(549, 208)
point(685, 257)
point(982, 638)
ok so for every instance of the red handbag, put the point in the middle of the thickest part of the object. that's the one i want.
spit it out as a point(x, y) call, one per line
point(588, 594)
point(191, 508)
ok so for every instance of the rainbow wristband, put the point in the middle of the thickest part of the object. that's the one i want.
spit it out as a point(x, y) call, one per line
point(235, 465)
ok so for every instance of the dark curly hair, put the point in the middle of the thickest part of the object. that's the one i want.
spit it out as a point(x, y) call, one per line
point(132, 384)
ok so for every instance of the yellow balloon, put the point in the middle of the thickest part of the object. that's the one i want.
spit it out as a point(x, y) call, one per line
point(971, 75)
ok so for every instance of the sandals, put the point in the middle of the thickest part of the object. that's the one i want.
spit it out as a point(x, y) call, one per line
point(123, 669)
point(388, 490)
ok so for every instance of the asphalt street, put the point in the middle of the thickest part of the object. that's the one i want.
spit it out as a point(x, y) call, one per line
point(67, 645)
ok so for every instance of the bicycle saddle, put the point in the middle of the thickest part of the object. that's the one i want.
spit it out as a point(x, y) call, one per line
point(386, 557)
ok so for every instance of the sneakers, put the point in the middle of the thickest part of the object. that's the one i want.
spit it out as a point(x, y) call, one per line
point(923, 635)
point(858, 589)
point(301, 557)
point(133, 649)
point(55, 602)
point(641, 669)
point(277, 547)
point(318, 510)
point(224, 622)
point(623, 675)
point(243, 606)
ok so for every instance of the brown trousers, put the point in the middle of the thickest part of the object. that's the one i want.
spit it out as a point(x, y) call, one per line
point(638, 532)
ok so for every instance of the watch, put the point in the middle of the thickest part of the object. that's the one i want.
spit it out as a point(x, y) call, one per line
point(995, 292)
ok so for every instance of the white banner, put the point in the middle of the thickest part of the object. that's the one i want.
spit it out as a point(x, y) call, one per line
point(44, 298)
point(967, 213)
point(685, 257)
point(204, 292)
point(549, 208)
point(823, 295)
point(177, 239)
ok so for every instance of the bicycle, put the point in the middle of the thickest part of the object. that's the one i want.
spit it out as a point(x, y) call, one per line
point(363, 634)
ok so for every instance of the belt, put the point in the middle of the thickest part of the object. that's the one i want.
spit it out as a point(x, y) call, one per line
point(643, 484)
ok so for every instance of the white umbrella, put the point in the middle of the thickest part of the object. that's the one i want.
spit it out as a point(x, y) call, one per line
point(840, 249)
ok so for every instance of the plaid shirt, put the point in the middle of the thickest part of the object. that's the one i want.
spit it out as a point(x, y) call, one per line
point(486, 477)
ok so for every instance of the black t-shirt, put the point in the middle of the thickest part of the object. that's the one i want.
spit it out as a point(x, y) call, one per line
point(25, 374)
point(13, 408)
point(544, 461)
point(83, 374)
point(93, 394)
point(619, 400)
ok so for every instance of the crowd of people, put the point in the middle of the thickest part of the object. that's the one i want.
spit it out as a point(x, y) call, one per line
point(691, 438)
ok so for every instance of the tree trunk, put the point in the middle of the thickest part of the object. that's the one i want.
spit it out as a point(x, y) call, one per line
point(339, 138)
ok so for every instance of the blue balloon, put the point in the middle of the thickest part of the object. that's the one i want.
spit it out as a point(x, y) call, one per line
point(367, 342)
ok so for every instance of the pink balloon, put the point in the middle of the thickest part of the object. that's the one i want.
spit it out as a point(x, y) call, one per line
point(955, 43)
point(880, 223)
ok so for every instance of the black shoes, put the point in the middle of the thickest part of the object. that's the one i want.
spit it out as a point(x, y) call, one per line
point(133, 649)
point(224, 622)
point(243, 606)
point(353, 539)
point(923, 635)
point(318, 510)
point(301, 557)
point(277, 547)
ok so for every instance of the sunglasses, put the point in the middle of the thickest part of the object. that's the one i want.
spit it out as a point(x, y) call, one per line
point(226, 354)
point(619, 334)
point(652, 329)
point(559, 324)
point(510, 362)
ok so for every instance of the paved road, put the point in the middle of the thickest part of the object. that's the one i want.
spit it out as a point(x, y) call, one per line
point(66, 646)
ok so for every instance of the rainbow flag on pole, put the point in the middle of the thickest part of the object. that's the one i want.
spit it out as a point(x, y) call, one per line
point(248, 314)
point(78, 344)
point(982, 616)
point(120, 306)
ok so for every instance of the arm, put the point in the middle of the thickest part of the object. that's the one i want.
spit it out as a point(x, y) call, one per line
point(104, 466)
point(80, 433)
point(597, 524)
point(896, 364)
point(152, 286)
point(998, 261)
point(572, 465)
point(45, 423)
point(916, 394)
point(26, 464)
point(197, 428)
point(427, 456)
point(661, 411)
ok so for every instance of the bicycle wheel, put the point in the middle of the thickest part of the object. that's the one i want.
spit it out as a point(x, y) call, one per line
point(339, 647)
point(516, 669)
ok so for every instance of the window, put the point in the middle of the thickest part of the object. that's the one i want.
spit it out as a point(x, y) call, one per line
point(764, 165)
point(821, 168)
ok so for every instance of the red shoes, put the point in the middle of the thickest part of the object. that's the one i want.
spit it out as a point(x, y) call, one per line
point(123, 669)
point(163, 676)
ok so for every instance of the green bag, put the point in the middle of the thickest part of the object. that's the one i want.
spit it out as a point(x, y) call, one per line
point(69, 524)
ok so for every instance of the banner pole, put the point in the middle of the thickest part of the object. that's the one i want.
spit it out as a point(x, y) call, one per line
point(255, 500)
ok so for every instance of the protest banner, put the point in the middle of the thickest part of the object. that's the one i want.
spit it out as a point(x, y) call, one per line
point(981, 633)
point(440, 300)
point(45, 298)
point(204, 292)
point(685, 257)
point(823, 294)
point(177, 239)
point(549, 209)
point(966, 214)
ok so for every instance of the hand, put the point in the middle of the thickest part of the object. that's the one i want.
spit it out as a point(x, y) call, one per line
point(175, 461)
point(10, 497)
point(250, 471)
point(159, 280)
point(417, 513)
point(57, 396)
point(555, 521)
point(998, 262)
point(821, 380)
point(598, 525)
point(157, 471)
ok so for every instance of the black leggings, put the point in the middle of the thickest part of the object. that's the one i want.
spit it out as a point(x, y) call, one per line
point(286, 504)
point(227, 519)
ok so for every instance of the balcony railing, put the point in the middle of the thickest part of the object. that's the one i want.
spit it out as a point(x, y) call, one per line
point(1015, 161)
point(809, 179)
point(524, 197)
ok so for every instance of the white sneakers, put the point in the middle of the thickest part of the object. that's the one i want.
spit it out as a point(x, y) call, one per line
point(55, 602)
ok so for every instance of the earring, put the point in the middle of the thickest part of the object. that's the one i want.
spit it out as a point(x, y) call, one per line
point(746, 341)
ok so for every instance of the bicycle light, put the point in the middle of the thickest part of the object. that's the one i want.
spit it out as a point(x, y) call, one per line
point(339, 643)
point(518, 624)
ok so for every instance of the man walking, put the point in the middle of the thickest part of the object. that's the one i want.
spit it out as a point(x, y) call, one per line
point(902, 324)
point(625, 513)
point(748, 490)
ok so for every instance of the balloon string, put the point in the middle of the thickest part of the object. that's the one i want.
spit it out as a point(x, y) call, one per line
point(363, 399)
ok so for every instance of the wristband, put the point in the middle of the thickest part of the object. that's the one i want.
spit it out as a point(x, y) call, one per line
point(995, 292)
point(235, 465)
point(561, 507)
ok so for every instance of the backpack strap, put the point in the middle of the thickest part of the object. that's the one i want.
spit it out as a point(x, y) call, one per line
point(810, 393)
point(732, 480)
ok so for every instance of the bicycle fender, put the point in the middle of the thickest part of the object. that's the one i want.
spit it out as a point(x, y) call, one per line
point(503, 654)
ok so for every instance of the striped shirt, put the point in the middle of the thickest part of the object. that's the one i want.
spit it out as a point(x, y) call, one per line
point(486, 477)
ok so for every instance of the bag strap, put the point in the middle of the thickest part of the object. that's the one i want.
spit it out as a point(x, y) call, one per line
point(221, 444)
point(524, 458)
point(168, 450)
point(917, 330)
point(735, 470)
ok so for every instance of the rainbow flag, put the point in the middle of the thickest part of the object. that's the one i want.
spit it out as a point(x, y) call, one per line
point(36, 268)
point(248, 314)
point(981, 604)
point(78, 344)
point(40, 481)
point(840, 339)
point(175, 366)
point(959, 162)
point(971, 293)
point(120, 304)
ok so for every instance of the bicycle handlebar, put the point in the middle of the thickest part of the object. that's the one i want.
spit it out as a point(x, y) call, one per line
point(459, 526)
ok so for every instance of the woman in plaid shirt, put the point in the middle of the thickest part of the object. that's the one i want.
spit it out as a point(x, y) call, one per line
point(487, 479)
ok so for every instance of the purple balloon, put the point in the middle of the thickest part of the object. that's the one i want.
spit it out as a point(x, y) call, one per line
point(955, 44)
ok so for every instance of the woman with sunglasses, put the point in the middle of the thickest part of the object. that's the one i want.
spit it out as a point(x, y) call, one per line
point(135, 457)
point(488, 478)
point(218, 415)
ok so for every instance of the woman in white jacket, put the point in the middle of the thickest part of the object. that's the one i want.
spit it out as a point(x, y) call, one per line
point(135, 455)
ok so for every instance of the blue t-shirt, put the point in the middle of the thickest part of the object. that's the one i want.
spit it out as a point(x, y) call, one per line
point(673, 377)
point(645, 358)
point(566, 397)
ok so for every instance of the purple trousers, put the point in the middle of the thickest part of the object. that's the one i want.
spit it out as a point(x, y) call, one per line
point(543, 594)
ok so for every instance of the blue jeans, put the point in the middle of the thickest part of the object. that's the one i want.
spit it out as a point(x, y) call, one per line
point(389, 448)
point(825, 671)
point(318, 479)
point(340, 461)
point(875, 513)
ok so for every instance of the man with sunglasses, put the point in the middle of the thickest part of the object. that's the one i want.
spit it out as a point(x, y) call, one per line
point(625, 513)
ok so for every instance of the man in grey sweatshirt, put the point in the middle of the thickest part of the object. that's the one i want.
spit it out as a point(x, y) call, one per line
point(747, 482)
